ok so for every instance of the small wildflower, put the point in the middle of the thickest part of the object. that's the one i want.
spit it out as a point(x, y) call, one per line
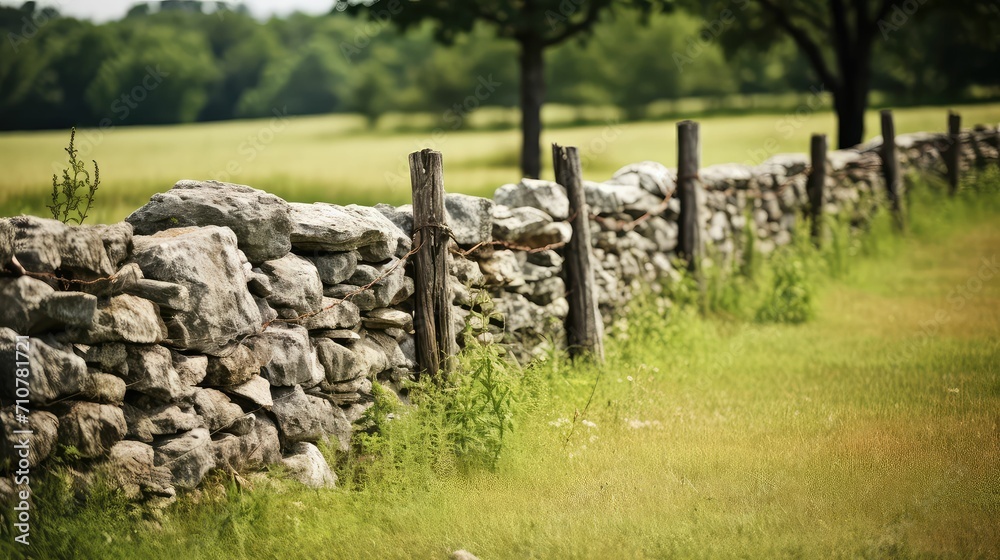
point(589, 424)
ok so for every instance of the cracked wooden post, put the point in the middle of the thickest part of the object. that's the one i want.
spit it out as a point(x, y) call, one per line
point(432, 313)
point(584, 327)
point(953, 154)
point(688, 154)
point(890, 168)
point(816, 184)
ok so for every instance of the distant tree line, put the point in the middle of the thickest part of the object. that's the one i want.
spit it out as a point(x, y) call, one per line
point(185, 65)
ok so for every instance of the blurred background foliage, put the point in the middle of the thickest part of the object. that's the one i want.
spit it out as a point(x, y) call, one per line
point(225, 65)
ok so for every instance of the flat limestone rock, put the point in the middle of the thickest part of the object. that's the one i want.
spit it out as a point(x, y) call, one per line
point(295, 284)
point(260, 221)
point(331, 227)
point(123, 318)
point(187, 456)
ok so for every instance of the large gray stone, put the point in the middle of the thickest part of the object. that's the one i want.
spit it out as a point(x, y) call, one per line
point(51, 373)
point(91, 428)
point(243, 363)
point(144, 424)
point(307, 465)
point(261, 221)
point(43, 245)
point(117, 240)
point(295, 284)
point(188, 456)
point(387, 318)
point(75, 309)
point(44, 427)
point(334, 268)
point(164, 294)
point(470, 218)
point(216, 409)
point(103, 388)
point(190, 369)
point(256, 390)
point(151, 372)
point(293, 360)
point(22, 299)
point(335, 314)
point(514, 225)
point(131, 467)
point(206, 262)
point(546, 196)
point(303, 417)
point(386, 280)
point(330, 227)
point(651, 176)
point(123, 318)
point(338, 362)
point(400, 216)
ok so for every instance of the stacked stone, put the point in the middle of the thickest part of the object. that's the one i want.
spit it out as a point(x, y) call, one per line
point(222, 327)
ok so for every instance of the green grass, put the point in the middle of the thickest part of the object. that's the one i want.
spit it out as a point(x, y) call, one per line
point(336, 158)
point(870, 431)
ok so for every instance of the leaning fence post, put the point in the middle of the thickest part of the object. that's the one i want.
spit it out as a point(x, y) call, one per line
point(688, 242)
point(890, 167)
point(584, 327)
point(816, 183)
point(432, 314)
point(953, 153)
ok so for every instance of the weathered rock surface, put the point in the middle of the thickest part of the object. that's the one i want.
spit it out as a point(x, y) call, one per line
point(239, 366)
point(207, 262)
point(261, 221)
point(123, 318)
point(303, 417)
point(329, 227)
point(546, 196)
point(334, 268)
point(295, 284)
point(91, 428)
point(470, 218)
point(51, 372)
point(307, 465)
point(293, 360)
point(43, 245)
point(335, 314)
point(44, 427)
point(187, 456)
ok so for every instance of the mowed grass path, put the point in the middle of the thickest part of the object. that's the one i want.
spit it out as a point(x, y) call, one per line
point(338, 159)
point(870, 432)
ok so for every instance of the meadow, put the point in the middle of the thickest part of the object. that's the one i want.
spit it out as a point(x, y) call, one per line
point(870, 431)
point(341, 158)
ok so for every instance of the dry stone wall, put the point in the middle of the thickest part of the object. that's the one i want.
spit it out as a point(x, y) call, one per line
point(221, 327)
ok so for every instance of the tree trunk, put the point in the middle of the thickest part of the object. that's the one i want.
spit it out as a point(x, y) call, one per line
point(850, 119)
point(532, 97)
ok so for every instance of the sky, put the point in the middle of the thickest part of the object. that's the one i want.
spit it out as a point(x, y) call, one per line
point(104, 10)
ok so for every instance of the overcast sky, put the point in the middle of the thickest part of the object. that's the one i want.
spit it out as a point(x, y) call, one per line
point(104, 10)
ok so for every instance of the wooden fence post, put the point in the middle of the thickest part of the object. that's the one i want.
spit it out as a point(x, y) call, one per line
point(816, 184)
point(432, 314)
point(688, 153)
point(953, 154)
point(890, 167)
point(584, 326)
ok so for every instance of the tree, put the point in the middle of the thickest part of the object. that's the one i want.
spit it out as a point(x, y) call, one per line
point(535, 25)
point(837, 37)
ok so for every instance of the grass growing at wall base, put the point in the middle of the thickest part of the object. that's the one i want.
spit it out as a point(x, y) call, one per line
point(860, 433)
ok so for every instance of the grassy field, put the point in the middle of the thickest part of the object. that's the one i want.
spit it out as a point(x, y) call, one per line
point(337, 159)
point(869, 432)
